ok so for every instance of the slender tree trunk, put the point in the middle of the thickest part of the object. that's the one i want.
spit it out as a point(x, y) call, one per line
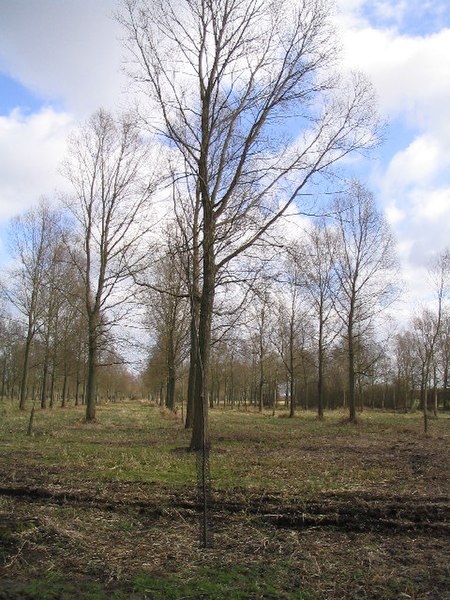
point(260, 388)
point(4, 377)
point(351, 372)
point(77, 385)
point(275, 397)
point(291, 394)
point(52, 387)
point(425, 409)
point(26, 362)
point(193, 358)
point(320, 373)
point(170, 393)
point(194, 293)
point(44, 382)
point(91, 385)
point(435, 393)
point(64, 391)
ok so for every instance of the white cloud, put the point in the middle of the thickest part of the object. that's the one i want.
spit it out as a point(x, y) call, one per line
point(404, 48)
point(66, 51)
point(432, 206)
point(418, 164)
point(411, 74)
point(31, 147)
point(394, 214)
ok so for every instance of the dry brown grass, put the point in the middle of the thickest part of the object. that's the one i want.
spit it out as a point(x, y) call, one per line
point(301, 509)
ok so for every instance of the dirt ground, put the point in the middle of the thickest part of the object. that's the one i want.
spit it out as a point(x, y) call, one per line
point(384, 541)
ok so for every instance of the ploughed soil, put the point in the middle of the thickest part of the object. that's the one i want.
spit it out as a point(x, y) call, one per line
point(384, 541)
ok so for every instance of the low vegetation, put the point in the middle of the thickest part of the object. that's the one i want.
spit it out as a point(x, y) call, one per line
point(301, 508)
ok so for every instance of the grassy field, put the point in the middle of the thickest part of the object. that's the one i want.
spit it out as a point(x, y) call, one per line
point(301, 509)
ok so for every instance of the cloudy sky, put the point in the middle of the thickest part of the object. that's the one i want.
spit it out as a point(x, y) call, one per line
point(61, 59)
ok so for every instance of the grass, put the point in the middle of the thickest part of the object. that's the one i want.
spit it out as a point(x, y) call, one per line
point(238, 583)
point(302, 509)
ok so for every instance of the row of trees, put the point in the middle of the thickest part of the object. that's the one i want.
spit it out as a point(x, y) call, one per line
point(44, 322)
point(243, 116)
point(312, 328)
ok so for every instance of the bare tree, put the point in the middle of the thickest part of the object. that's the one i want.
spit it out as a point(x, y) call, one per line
point(406, 365)
point(443, 352)
point(315, 260)
point(261, 324)
point(167, 317)
point(34, 239)
point(365, 268)
point(289, 327)
point(110, 206)
point(427, 326)
point(227, 83)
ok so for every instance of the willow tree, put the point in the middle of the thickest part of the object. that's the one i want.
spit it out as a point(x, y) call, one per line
point(110, 206)
point(246, 92)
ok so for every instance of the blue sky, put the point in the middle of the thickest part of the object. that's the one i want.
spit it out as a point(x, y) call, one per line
point(61, 59)
point(14, 95)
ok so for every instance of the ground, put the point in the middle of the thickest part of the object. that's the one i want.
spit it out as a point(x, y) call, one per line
point(300, 509)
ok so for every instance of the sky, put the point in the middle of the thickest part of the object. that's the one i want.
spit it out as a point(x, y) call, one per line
point(60, 60)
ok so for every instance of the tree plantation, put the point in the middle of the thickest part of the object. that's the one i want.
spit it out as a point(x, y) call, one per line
point(216, 277)
point(204, 250)
point(306, 323)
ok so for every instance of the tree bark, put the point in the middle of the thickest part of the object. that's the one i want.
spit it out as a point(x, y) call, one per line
point(91, 384)
point(26, 362)
point(200, 429)
point(320, 371)
point(351, 371)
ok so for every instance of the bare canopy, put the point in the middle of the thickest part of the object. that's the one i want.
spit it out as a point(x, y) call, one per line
point(247, 93)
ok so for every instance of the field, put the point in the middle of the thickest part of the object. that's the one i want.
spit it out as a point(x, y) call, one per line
point(301, 509)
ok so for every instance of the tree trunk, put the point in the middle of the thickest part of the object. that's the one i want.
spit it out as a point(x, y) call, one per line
point(200, 429)
point(4, 377)
point(64, 391)
point(77, 385)
point(425, 409)
point(170, 393)
point(91, 385)
point(193, 359)
point(435, 393)
point(291, 395)
point(26, 361)
point(44, 382)
point(320, 374)
point(351, 372)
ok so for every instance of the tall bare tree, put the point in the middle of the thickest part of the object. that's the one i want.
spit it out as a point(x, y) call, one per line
point(167, 317)
point(315, 257)
point(289, 327)
point(406, 363)
point(443, 354)
point(365, 267)
point(35, 236)
point(228, 82)
point(110, 204)
point(427, 325)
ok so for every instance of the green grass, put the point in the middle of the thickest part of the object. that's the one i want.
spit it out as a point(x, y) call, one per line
point(138, 442)
point(239, 583)
point(55, 586)
point(108, 540)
